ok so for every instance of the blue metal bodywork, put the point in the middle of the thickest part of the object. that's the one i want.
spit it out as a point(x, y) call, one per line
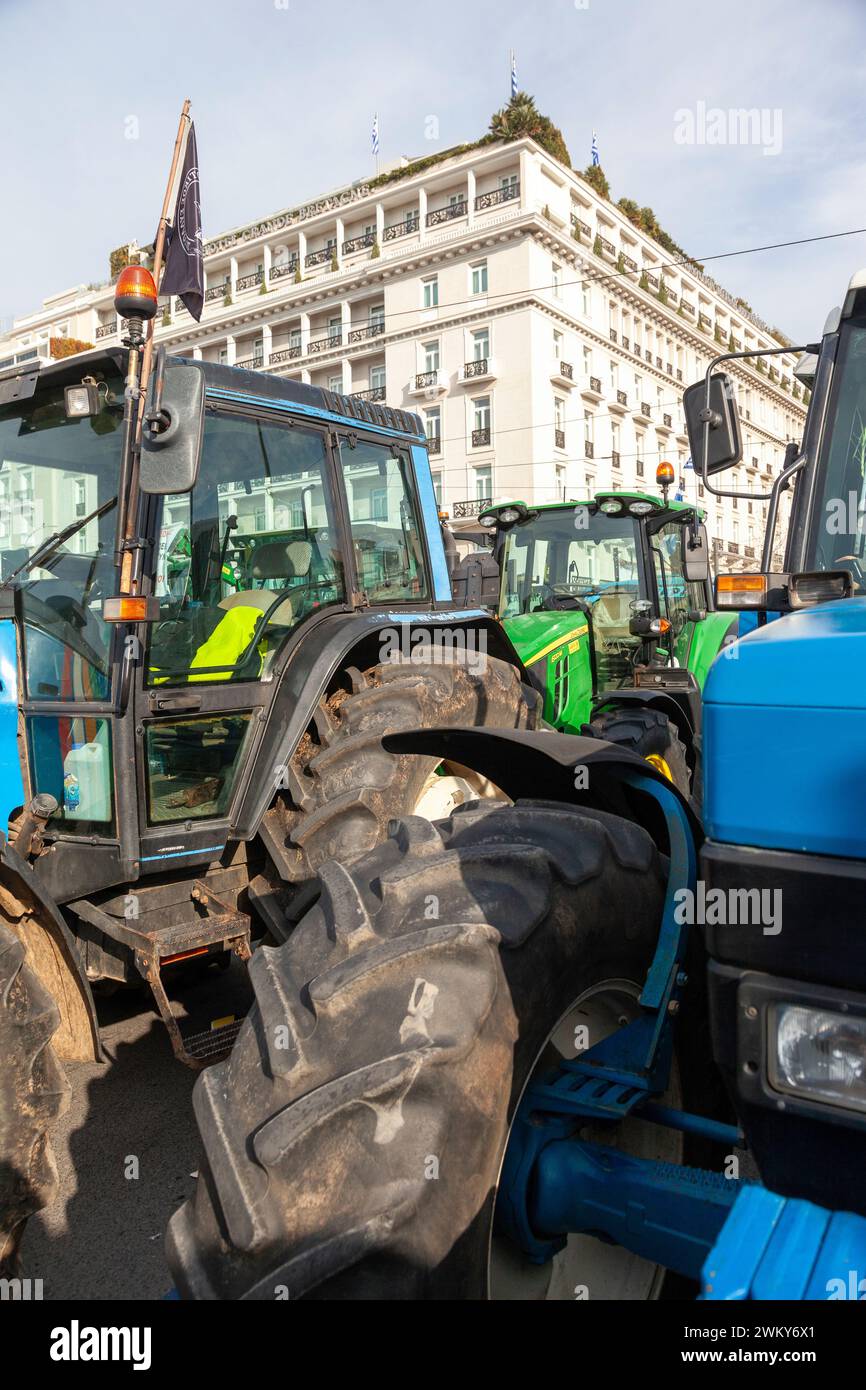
point(11, 785)
point(775, 1247)
point(774, 780)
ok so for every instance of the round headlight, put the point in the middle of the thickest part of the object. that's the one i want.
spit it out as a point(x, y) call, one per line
point(508, 515)
point(641, 508)
point(488, 519)
point(611, 507)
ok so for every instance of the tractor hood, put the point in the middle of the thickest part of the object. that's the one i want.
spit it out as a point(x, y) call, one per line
point(785, 735)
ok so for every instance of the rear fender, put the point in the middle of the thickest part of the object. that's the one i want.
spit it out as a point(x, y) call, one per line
point(552, 767)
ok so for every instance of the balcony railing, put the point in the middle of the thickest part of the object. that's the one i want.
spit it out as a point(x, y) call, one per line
point(405, 228)
point(106, 330)
point(614, 459)
point(434, 444)
point(652, 281)
point(285, 354)
point(217, 291)
point(506, 194)
point(607, 248)
point(648, 355)
point(622, 398)
point(659, 363)
point(333, 340)
point(322, 257)
point(667, 420)
point(583, 228)
point(375, 393)
point(645, 409)
point(371, 330)
point(669, 368)
point(477, 367)
point(625, 342)
point(249, 282)
point(613, 335)
point(358, 243)
point(440, 215)
point(566, 370)
point(588, 449)
point(629, 263)
point(473, 506)
point(252, 364)
point(637, 350)
point(480, 438)
point(559, 439)
point(679, 373)
point(595, 384)
point(278, 272)
point(423, 379)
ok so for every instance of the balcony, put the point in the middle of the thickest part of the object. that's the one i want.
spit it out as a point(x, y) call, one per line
point(217, 291)
point(434, 444)
point(279, 272)
point(687, 307)
point(479, 369)
point(481, 438)
point(591, 388)
point(559, 439)
point(666, 423)
point(333, 340)
point(497, 197)
point(323, 257)
point(669, 368)
point(394, 230)
point(648, 355)
point(473, 506)
point(659, 363)
point(583, 229)
point(440, 215)
point(375, 393)
point(619, 405)
point(428, 384)
point(374, 329)
point(288, 354)
point(359, 243)
point(613, 335)
point(625, 342)
point(588, 449)
point(614, 459)
point(652, 281)
point(646, 410)
point(106, 330)
point(606, 248)
point(705, 323)
point(629, 263)
point(250, 364)
point(249, 282)
point(562, 373)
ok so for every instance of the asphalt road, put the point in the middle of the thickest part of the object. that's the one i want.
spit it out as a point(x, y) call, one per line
point(103, 1237)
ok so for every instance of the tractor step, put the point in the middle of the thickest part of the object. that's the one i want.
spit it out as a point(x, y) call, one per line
point(211, 1043)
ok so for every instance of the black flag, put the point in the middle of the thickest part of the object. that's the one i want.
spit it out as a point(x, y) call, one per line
point(184, 260)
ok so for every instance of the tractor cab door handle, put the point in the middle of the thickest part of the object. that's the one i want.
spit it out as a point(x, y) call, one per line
point(176, 702)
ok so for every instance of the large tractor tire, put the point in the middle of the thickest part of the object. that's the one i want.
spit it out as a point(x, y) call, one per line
point(33, 1093)
point(344, 787)
point(353, 1139)
point(650, 734)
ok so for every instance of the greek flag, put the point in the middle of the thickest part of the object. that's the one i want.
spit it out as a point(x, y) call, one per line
point(375, 133)
point(594, 151)
point(688, 463)
point(513, 74)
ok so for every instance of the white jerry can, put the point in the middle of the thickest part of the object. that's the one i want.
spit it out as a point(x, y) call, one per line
point(87, 782)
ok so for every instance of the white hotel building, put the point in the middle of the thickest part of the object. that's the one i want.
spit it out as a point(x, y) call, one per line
point(544, 340)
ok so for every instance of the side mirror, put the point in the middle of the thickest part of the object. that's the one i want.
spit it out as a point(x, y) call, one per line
point(695, 555)
point(171, 440)
point(721, 425)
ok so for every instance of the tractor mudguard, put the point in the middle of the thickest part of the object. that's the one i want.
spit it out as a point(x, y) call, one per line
point(52, 953)
point(546, 766)
point(682, 708)
point(333, 645)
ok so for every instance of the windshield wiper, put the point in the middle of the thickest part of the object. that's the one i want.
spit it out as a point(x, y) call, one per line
point(46, 549)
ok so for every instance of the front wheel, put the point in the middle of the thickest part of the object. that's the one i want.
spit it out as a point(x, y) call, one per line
point(355, 1136)
point(649, 733)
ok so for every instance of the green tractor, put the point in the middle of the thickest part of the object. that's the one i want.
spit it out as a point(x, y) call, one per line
point(610, 606)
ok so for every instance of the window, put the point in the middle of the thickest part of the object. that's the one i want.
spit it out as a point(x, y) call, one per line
point(430, 292)
point(437, 488)
point(431, 356)
point(479, 278)
point(433, 423)
point(557, 345)
point(481, 418)
point(295, 338)
point(455, 200)
point(614, 443)
point(556, 279)
point(585, 301)
point(559, 413)
point(335, 328)
point(80, 497)
point(377, 378)
point(614, 375)
point(508, 184)
point(383, 515)
point(481, 345)
point(587, 426)
point(223, 356)
point(587, 361)
point(483, 483)
point(376, 320)
point(335, 383)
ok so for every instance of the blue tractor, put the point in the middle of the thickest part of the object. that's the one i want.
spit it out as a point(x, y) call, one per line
point(580, 1044)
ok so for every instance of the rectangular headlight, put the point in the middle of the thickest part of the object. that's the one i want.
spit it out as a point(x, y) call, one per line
point(818, 1054)
point(806, 589)
point(81, 401)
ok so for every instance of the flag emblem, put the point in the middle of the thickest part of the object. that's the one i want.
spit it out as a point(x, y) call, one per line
point(375, 133)
point(594, 150)
point(184, 261)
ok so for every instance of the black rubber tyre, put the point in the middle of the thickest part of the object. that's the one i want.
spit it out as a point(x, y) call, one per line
point(399, 1022)
point(647, 732)
point(33, 1093)
point(344, 787)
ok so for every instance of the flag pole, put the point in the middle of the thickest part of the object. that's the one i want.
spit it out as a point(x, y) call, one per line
point(126, 573)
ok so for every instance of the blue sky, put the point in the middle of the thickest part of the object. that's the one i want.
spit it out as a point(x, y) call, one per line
point(283, 94)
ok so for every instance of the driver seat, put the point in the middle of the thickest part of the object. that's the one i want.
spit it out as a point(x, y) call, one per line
point(611, 614)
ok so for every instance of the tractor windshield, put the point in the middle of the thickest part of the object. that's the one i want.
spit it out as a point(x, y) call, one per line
point(838, 525)
point(569, 552)
point(54, 472)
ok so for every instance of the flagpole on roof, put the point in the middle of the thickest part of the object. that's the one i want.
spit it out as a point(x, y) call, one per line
point(147, 356)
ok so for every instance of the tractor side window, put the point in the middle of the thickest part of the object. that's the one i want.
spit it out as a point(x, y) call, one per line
point(676, 596)
point(383, 515)
point(245, 557)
